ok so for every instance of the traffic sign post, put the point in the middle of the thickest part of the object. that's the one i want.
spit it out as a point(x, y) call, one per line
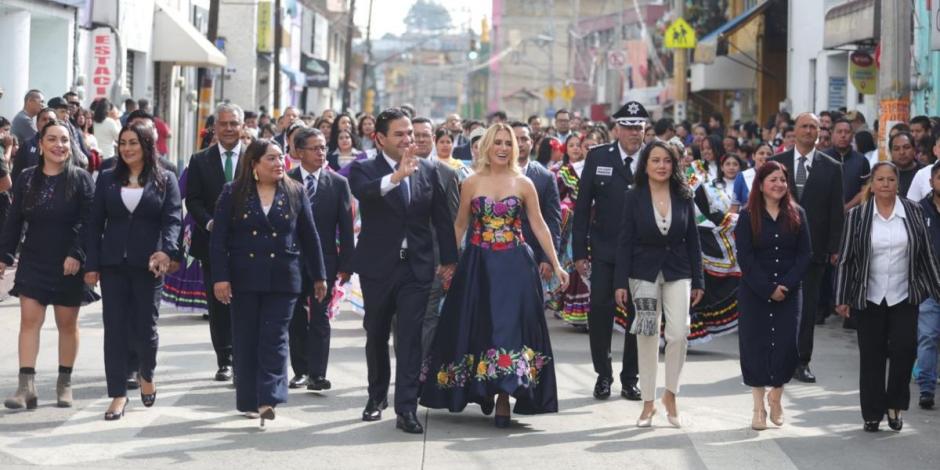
point(680, 35)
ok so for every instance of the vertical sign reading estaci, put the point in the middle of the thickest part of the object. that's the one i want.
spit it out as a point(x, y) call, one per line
point(102, 63)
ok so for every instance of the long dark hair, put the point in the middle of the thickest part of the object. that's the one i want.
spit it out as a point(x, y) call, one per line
point(574, 135)
point(333, 143)
point(244, 186)
point(714, 141)
point(544, 153)
point(756, 205)
point(102, 108)
point(152, 172)
point(677, 182)
point(34, 184)
point(356, 143)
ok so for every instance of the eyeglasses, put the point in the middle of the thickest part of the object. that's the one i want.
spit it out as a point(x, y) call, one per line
point(318, 148)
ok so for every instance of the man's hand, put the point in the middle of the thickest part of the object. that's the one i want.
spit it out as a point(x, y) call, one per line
point(91, 278)
point(223, 292)
point(696, 296)
point(319, 290)
point(779, 294)
point(159, 263)
point(545, 270)
point(582, 265)
point(621, 296)
point(343, 277)
point(446, 272)
point(843, 311)
point(406, 166)
point(70, 266)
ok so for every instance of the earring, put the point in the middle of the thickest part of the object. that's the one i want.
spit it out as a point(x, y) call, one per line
point(255, 174)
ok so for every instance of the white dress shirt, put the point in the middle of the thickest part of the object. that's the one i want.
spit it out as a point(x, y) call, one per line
point(920, 185)
point(316, 175)
point(887, 270)
point(236, 151)
point(578, 167)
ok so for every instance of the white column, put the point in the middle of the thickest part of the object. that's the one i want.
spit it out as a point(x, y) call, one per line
point(14, 75)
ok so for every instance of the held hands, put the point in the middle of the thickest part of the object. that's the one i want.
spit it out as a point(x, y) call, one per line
point(91, 278)
point(319, 290)
point(843, 311)
point(563, 279)
point(343, 278)
point(545, 270)
point(696, 296)
point(159, 263)
point(446, 274)
point(70, 266)
point(620, 296)
point(582, 265)
point(223, 292)
point(407, 165)
point(779, 294)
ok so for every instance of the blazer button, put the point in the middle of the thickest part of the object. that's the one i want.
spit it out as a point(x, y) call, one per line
point(254, 232)
point(776, 235)
point(244, 216)
point(273, 234)
point(272, 255)
point(251, 255)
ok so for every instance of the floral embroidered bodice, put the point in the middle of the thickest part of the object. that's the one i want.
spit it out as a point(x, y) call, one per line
point(497, 225)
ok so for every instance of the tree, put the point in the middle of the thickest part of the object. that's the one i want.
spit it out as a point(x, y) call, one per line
point(428, 16)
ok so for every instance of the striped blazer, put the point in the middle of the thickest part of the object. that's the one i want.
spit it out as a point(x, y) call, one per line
point(855, 255)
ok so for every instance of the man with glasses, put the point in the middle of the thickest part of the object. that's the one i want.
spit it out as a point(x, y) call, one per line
point(563, 124)
point(209, 170)
point(330, 199)
point(24, 127)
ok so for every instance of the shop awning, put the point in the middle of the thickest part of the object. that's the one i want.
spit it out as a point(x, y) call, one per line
point(707, 48)
point(177, 41)
point(296, 76)
point(852, 22)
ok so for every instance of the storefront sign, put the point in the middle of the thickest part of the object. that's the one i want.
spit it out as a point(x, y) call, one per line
point(317, 71)
point(836, 92)
point(863, 72)
point(265, 28)
point(102, 63)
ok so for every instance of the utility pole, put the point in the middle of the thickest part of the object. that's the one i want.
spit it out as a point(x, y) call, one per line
point(551, 56)
point(366, 62)
point(350, 27)
point(276, 75)
point(894, 76)
point(680, 66)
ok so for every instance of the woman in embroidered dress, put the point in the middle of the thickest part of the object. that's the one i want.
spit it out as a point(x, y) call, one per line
point(492, 338)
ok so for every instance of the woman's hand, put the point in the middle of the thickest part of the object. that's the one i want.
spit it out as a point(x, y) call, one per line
point(159, 263)
point(843, 311)
point(696, 296)
point(3, 268)
point(91, 278)
point(779, 294)
point(70, 266)
point(563, 279)
point(620, 296)
point(319, 290)
point(223, 292)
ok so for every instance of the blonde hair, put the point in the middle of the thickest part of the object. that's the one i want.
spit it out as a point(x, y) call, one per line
point(486, 143)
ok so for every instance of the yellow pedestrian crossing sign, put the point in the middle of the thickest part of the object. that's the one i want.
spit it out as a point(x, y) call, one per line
point(680, 35)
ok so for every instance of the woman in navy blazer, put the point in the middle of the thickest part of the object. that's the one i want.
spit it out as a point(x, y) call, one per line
point(132, 236)
point(659, 259)
point(263, 237)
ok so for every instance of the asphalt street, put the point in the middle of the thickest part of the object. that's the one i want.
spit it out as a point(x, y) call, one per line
point(194, 423)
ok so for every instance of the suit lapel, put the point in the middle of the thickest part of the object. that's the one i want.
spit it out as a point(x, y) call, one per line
point(215, 163)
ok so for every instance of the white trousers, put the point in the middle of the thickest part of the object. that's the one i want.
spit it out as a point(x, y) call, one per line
point(673, 303)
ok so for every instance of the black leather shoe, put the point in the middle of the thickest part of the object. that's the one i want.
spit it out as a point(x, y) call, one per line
point(897, 422)
point(925, 402)
point(871, 426)
point(132, 383)
point(408, 422)
point(319, 383)
point(803, 374)
point(631, 392)
point(373, 410)
point(299, 381)
point(224, 374)
point(602, 388)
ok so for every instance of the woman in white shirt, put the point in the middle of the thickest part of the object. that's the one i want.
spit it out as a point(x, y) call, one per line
point(886, 269)
point(106, 128)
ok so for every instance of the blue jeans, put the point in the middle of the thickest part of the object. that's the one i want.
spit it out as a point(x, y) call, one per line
point(928, 333)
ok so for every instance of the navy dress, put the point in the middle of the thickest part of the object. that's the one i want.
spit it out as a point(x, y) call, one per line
point(492, 336)
point(768, 330)
point(55, 224)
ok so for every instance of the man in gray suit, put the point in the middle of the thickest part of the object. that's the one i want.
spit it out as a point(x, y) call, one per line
point(424, 143)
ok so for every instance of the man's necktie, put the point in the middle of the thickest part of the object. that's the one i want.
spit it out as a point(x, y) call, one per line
point(229, 166)
point(311, 188)
point(405, 190)
point(800, 176)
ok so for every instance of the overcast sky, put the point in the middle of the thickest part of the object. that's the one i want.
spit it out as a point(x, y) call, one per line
point(388, 15)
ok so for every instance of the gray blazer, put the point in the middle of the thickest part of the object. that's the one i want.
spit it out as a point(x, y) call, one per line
point(855, 256)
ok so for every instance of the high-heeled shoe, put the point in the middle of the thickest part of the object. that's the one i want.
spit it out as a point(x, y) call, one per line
point(267, 414)
point(502, 421)
point(895, 423)
point(871, 426)
point(148, 399)
point(759, 421)
point(642, 422)
point(114, 416)
point(674, 420)
point(776, 412)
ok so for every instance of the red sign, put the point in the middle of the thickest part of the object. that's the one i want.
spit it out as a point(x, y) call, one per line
point(102, 63)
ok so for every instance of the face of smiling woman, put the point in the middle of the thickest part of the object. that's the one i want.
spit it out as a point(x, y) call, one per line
point(55, 145)
point(501, 150)
point(270, 167)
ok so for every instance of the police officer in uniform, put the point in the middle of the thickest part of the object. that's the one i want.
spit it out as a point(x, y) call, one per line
point(607, 175)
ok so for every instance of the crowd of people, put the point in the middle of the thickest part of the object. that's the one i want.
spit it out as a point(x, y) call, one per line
point(457, 237)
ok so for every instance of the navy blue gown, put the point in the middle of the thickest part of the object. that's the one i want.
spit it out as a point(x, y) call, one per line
point(492, 336)
point(768, 330)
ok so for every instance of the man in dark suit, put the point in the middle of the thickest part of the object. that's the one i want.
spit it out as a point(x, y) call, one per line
point(209, 170)
point(607, 175)
point(400, 199)
point(547, 189)
point(815, 181)
point(330, 199)
point(424, 143)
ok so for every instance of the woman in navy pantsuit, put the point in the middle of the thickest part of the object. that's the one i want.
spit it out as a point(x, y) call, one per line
point(774, 252)
point(263, 236)
point(133, 233)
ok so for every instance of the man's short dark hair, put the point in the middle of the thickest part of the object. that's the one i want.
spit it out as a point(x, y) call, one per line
point(663, 125)
point(561, 111)
point(250, 114)
point(836, 122)
point(532, 118)
point(139, 114)
point(501, 115)
point(384, 119)
point(924, 121)
point(422, 120)
point(31, 94)
point(130, 103)
point(900, 127)
point(143, 103)
point(69, 94)
point(300, 138)
point(825, 113)
point(520, 124)
point(910, 138)
point(408, 110)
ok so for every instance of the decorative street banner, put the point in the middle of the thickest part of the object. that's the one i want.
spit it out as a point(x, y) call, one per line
point(102, 65)
point(317, 71)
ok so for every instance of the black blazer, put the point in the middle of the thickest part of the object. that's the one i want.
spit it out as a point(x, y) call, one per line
point(115, 234)
point(265, 253)
point(203, 186)
point(450, 184)
point(546, 186)
point(822, 201)
point(332, 213)
point(780, 257)
point(386, 221)
point(599, 207)
point(644, 252)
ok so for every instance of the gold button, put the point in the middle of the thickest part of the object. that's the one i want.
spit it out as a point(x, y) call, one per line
point(251, 255)
point(273, 234)
point(272, 255)
point(280, 203)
